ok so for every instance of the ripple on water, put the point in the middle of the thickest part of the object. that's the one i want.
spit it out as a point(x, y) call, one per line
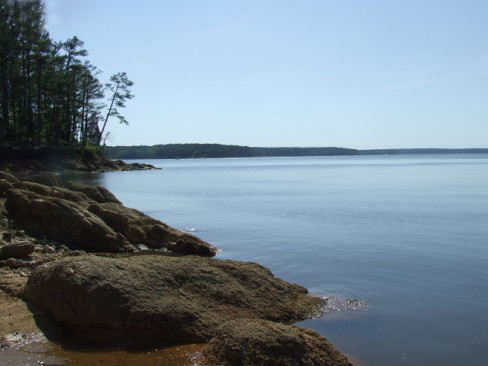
point(195, 230)
point(337, 304)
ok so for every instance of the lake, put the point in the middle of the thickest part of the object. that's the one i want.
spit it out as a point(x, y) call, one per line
point(407, 235)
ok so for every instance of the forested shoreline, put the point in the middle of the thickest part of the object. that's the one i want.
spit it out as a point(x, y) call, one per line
point(50, 94)
point(185, 151)
point(188, 151)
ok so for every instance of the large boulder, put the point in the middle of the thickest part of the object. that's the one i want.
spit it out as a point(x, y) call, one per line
point(62, 220)
point(255, 342)
point(161, 300)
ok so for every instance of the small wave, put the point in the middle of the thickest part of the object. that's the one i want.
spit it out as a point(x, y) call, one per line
point(195, 230)
point(338, 304)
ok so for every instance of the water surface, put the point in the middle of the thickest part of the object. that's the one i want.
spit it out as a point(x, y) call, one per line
point(406, 234)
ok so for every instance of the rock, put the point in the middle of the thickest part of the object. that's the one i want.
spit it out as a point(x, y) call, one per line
point(7, 235)
point(192, 246)
point(57, 192)
point(48, 179)
point(20, 250)
point(8, 177)
point(15, 263)
point(161, 300)
point(96, 193)
point(62, 220)
point(47, 249)
point(76, 217)
point(139, 228)
point(246, 342)
point(5, 186)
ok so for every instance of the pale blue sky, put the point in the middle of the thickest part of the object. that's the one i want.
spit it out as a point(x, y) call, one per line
point(359, 74)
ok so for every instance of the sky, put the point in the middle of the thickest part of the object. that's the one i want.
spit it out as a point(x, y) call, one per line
point(358, 74)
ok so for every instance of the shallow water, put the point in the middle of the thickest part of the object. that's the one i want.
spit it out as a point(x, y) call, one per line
point(52, 354)
point(405, 234)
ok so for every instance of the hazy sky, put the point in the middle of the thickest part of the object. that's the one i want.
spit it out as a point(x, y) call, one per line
point(359, 74)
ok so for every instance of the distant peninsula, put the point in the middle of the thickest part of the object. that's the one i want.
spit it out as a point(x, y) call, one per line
point(192, 151)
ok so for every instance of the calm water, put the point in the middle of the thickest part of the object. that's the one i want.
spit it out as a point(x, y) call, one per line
point(406, 234)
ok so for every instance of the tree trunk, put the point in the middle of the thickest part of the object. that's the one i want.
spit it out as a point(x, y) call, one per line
point(108, 114)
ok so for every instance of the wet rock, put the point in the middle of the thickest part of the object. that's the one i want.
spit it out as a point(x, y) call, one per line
point(18, 250)
point(5, 186)
point(62, 220)
point(159, 299)
point(246, 342)
point(96, 193)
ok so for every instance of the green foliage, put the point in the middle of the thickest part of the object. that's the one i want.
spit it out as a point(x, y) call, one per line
point(184, 151)
point(119, 86)
point(49, 92)
point(89, 152)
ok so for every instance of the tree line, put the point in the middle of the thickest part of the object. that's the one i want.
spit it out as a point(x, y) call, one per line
point(50, 94)
point(185, 151)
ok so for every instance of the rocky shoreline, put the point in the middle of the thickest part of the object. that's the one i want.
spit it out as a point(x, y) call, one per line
point(114, 275)
point(29, 161)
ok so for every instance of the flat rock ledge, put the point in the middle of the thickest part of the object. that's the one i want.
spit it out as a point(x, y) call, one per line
point(158, 300)
point(254, 342)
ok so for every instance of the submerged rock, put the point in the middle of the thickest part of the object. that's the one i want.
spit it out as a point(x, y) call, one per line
point(255, 342)
point(161, 300)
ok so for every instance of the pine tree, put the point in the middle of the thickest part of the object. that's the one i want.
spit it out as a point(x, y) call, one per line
point(49, 92)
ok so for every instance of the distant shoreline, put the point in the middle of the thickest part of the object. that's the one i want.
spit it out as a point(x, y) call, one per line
point(189, 151)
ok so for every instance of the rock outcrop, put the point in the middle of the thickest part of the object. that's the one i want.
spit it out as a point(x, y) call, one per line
point(63, 220)
point(93, 219)
point(97, 193)
point(246, 342)
point(54, 192)
point(160, 299)
point(8, 177)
